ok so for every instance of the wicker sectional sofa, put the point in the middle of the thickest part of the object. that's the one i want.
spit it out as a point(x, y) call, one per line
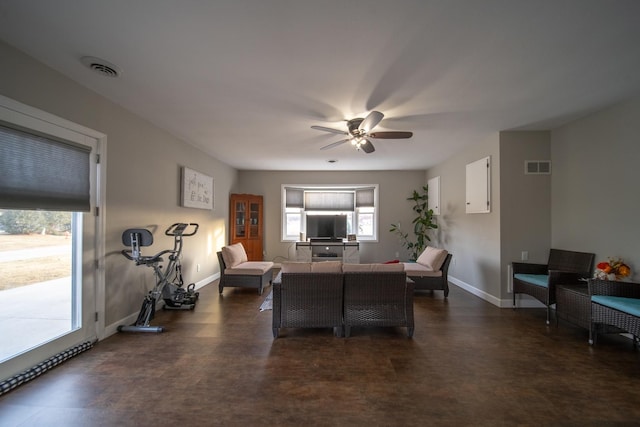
point(615, 307)
point(341, 296)
point(236, 270)
point(430, 271)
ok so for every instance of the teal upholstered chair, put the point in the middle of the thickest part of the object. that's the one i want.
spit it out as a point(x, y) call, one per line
point(540, 280)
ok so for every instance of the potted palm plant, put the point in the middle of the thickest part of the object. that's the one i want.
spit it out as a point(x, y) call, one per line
point(422, 223)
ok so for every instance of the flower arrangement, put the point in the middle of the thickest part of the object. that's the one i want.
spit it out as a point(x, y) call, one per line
point(614, 269)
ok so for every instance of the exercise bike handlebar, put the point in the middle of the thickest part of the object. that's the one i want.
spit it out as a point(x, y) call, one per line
point(178, 229)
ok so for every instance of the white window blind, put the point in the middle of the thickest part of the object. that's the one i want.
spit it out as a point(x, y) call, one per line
point(329, 201)
point(37, 172)
point(365, 198)
point(294, 197)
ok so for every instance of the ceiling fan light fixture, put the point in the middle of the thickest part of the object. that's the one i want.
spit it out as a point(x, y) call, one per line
point(359, 132)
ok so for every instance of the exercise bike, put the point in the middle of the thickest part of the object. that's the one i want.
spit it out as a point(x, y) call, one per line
point(169, 283)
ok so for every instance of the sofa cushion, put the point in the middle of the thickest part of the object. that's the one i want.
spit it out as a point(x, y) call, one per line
point(347, 268)
point(326, 267)
point(250, 268)
point(534, 279)
point(432, 258)
point(414, 269)
point(626, 305)
point(234, 255)
point(295, 267)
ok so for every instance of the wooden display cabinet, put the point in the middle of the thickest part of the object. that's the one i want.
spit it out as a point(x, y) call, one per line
point(245, 224)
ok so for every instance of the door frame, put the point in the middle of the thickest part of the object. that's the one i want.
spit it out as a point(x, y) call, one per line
point(93, 242)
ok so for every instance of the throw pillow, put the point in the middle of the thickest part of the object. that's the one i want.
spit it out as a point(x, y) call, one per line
point(234, 255)
point(326, 267)
point(432, 258)
point(372, 267)
point(295, 267)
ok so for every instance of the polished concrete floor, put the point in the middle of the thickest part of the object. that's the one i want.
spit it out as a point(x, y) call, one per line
point(468, 364)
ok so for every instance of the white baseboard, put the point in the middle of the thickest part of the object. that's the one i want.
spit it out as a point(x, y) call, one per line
point(113, 328)
point(475, 291)
point(207, 280)
point(522, 301)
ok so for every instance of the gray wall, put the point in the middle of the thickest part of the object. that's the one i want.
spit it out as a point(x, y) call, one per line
point(473, 239)
point(589, 202)
point(143, 170)
point(594, 197)
point(394, 189)
point(525, 216)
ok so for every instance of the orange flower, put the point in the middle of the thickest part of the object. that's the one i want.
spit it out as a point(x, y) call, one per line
point(624, 270)
point(614, 269)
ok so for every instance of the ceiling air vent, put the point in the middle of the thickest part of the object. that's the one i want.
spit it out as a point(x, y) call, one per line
point(537, 167)
point(100, 66)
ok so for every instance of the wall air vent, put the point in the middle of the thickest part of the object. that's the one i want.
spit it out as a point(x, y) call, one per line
point(537, 167)
point(100, 66)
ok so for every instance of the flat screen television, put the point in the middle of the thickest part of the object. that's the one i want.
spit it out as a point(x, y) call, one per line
point(327, 227)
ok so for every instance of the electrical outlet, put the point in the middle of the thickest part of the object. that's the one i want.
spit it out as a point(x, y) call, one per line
point(525, 256)
point(197, 267)
point(397, 254)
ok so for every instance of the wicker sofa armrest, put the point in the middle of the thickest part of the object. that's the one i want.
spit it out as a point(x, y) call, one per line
point(529, 268)
point(614, 288)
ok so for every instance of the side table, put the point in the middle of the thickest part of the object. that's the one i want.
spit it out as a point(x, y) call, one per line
point(573, 304)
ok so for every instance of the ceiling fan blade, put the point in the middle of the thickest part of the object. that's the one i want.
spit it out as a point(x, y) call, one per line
point(391, 135)
point(370, 121)
point(367, 147)
point(335, 144)
point(340, 132)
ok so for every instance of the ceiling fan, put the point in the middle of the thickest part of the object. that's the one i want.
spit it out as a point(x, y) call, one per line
point(359, 132)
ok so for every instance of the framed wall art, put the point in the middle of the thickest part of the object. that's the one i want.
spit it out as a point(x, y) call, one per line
point(197, 189)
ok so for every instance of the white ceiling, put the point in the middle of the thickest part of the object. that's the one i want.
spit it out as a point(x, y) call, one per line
point(245, 79)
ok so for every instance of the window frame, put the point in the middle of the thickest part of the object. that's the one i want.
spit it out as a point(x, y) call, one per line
point(353, 219)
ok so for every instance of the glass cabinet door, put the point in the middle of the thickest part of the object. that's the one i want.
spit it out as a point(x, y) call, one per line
point(240, 212)
point(254, 215)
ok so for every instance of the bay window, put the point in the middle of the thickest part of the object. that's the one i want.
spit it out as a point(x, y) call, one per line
point(357, 203)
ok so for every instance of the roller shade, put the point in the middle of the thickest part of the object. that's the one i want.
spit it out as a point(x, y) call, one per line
point(365, 198)
point(37, 172)
point(329, 201)
point(294, 197)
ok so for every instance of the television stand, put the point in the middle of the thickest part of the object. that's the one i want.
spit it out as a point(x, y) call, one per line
point(326, 250)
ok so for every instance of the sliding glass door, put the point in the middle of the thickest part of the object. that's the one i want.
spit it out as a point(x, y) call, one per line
point(39, 286)
point(51, 281)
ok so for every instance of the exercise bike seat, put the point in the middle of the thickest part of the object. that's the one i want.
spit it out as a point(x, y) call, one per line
point(142, 259)
point(136, 238)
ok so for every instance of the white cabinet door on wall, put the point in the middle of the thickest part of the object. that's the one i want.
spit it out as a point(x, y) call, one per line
point(478, 184)
point(434, 195)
